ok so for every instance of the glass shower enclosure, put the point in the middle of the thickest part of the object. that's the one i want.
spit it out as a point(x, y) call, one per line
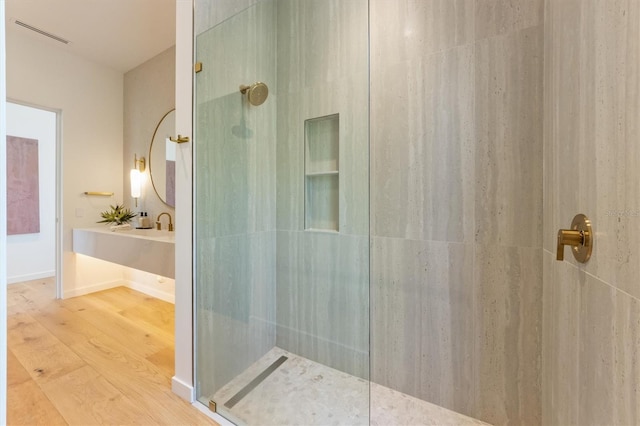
point(281, 235)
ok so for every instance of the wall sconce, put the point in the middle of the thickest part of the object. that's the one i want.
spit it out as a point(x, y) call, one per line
point(136, 177)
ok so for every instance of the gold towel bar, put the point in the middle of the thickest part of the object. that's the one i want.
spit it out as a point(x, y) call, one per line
point(104, 194)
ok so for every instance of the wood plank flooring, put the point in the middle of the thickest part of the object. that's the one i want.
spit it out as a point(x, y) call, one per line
point(100, 359)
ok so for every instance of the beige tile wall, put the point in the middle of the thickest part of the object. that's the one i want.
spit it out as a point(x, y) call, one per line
point(235, 163)
point(456, 187)
point(591, 370)
point(323, 279)
point(461, 185)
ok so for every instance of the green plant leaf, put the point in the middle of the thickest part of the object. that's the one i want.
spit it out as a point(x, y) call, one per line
point(118, 215)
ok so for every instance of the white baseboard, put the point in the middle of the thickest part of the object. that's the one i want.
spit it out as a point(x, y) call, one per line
point(183, 390)
point(30, 277)
point(92, 288)
point(151, 291)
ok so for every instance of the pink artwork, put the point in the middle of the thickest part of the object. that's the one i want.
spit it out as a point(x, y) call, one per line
point(23, 195)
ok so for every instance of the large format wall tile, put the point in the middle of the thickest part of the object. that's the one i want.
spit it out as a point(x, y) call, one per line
point(322, 298)
point(591, 340)
point(596, 388)
point(571, 93)
point(242, 50)
point(508, 334)
point(347, 98)
point(548, 334)
point(495, 17)
point(322, 67)
point(593, 73)
point(560, 345)
point(617, 131)
point(290, 164)
point(209, 13)
point(235, 163)
point(509, 139)
point(422, 148)
point(596, 366)
point(235, 168)
point(570, 115)
point(549, 177)
point(456, 160)
point(592, 83)
point(320, 42)
point(323, 278)
point(235, 305)
point(456, 137)
point(626, 359)
point(405, 30)
point(422, 320)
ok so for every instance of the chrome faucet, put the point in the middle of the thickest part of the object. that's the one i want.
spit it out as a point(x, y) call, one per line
point(159, 225)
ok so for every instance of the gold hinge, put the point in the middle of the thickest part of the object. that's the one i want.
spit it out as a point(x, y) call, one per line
point(212, 405)
point(198, 67)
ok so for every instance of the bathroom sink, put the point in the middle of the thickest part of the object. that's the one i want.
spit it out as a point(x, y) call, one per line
point(148, 250)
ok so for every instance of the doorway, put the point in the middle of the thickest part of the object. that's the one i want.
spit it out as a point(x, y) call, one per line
point(33, 227)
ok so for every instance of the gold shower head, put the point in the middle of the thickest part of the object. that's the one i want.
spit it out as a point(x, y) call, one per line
point(256, 93)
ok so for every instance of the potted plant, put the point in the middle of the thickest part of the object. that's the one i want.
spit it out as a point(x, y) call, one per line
point(118, 216)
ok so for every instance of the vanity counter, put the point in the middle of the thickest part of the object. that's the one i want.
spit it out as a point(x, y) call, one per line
point(148, 250)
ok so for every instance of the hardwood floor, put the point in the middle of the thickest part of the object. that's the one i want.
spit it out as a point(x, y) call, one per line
point(103, 358)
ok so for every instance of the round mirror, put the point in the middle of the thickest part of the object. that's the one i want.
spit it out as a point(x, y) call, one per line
point(162, 159)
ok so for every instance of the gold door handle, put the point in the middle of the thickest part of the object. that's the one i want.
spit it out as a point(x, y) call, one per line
point(179, 139)
point(579, 237)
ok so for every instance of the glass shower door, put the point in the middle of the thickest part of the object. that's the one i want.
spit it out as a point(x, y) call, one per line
point(282, 214)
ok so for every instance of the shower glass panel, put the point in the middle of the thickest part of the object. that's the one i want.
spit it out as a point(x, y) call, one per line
point(282, 213)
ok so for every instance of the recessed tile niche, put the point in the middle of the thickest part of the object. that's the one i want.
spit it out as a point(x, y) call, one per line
point(321, 167)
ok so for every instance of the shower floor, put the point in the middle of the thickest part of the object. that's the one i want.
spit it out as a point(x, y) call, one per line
point(304, 392)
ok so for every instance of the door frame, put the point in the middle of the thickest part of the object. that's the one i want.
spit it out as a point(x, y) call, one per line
point(58, 190)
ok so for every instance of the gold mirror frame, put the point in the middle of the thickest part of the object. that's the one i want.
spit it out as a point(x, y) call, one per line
point(160, 142)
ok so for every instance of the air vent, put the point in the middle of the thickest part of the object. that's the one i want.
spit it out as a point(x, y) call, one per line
point(39, 31)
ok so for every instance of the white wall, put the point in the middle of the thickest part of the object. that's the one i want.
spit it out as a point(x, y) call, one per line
point(182, 381)
point(90, 97)
point(32, 256)
point(3, 226)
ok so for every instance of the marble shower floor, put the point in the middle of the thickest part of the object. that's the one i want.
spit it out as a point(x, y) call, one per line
point(303, 392)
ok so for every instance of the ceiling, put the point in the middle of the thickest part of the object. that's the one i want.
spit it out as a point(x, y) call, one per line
point(121, 34)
